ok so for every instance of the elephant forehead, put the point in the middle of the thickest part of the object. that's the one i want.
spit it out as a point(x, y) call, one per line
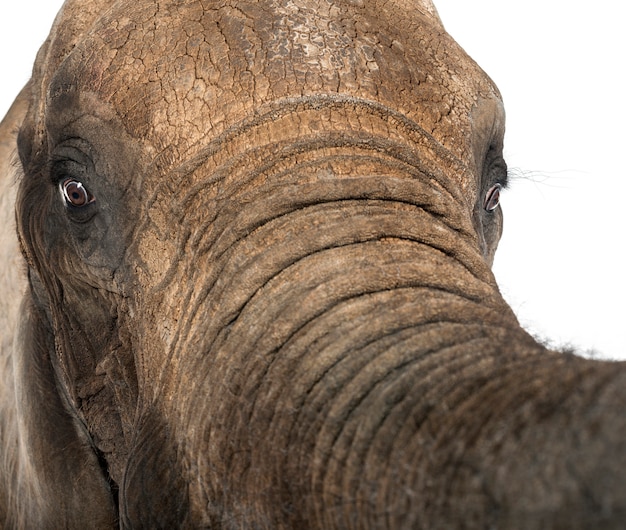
point(179, 73)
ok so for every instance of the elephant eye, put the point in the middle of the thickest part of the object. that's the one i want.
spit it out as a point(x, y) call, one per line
point(75, 194)
point(492, 199)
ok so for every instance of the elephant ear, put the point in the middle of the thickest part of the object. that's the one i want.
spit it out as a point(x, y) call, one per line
point(12, 278)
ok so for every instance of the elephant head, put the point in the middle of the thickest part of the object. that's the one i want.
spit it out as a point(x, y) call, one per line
point(258, 238)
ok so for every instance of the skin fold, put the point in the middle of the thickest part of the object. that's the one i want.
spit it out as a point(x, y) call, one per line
point(246, 284)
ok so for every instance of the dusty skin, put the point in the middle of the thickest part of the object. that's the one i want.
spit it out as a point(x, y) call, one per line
point(246, 284)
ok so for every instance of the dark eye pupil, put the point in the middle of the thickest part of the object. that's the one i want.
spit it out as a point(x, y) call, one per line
point(492, 199)
point(75, 194)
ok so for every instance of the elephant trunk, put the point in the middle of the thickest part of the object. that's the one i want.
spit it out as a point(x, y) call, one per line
point(348, 340)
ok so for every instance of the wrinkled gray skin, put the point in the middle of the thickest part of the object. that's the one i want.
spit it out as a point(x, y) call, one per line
point(274, 308)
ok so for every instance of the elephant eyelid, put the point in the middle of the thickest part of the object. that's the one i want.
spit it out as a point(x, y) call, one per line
point(499, 172)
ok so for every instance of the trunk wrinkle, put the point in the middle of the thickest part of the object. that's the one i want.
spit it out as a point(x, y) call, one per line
point(280, 110)
point(278, 255)
point(379, 386)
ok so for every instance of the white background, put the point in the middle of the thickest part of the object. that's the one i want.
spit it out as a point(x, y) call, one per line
point(559, 65)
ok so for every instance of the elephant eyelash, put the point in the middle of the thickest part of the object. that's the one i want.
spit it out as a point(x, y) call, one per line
point(60, 168)
point(53, 168)
point(69, 159)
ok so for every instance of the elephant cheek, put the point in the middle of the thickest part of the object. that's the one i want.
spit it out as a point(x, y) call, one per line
point(154, 490)
point(493, 234)
point(488, 227)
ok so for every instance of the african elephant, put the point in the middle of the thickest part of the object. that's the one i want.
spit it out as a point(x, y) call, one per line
point(253, 269)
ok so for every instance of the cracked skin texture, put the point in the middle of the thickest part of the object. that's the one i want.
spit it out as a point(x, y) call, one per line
point(279, 310)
